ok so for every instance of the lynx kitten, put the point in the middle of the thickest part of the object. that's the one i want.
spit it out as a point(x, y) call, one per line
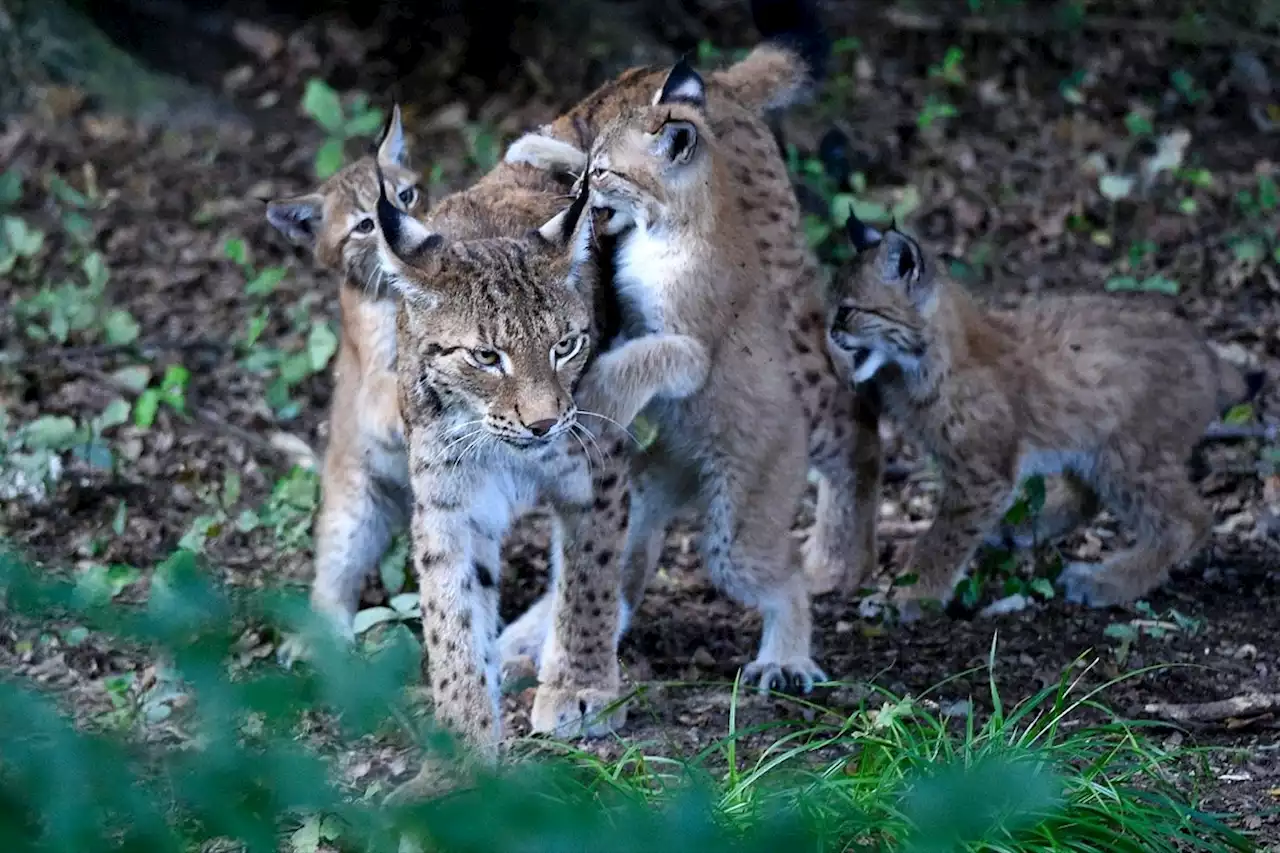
point(1110, 396)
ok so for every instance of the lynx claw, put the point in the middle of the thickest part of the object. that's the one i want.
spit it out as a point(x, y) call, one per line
point(573, 712)
point(795, 677)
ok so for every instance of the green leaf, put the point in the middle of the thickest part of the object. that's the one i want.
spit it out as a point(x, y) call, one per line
point(1160, 284)
point(23, 240)
point(78, 226)
point(295, 368)
point(66, 193)
point(365, 123)
point(322, 343)
point(237, 250)
point(329, 158)
point(120, 519)
point(265, 281)
point(97, 454)
point(371, 616)
point(100, 584)
point(120, 327)
point(1119, 283)
point(202, 529)
point(322, 103)
point(1034, 488)
point(134, 378)
point(95, 271)
point(115, 414)
point(145, 409)
point(394, 564)
point(257, 325)
point(10, 187)
point(406, 602)
point(1268, 193)
point(1043, 587)
point(1239, 414)
point(1249, 251)
point(175, 379)
point(49, 432)
point(306, 838)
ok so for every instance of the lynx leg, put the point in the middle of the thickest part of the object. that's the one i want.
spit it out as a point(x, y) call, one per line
point(1068, 502)
point(1171, 523)
point(364, 501)
point(456, 554)
point(750, 555)
point(660, 488)
point(578, 677)
point(968, 508)
point(844, 447)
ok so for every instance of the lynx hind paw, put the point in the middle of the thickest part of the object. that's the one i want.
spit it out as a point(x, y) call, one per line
point(1086, 584)
point(573, 712)
point(546, 153)
point(794, 676)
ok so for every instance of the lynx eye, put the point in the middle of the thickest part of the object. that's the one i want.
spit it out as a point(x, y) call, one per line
point(408, 196)
point(485, 357)
point(566, 349)
point(365, 226)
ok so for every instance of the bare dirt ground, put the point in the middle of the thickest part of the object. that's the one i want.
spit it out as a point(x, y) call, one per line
point(1013, 187)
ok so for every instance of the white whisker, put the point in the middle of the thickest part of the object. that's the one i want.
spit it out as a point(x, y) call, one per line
point(629, 433)
point(581, 444)
point(599, 450)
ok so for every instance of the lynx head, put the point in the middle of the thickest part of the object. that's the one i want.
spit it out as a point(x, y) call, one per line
point(338, 220)
point(655, 164)
point(881, 304)
point(496, 331)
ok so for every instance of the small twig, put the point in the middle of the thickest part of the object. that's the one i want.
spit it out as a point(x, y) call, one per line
point(1248, 705)
point(1022, 24)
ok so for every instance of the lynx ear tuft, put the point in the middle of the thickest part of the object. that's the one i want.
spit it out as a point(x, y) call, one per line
point(683, 85)
point(861, 235)
point(391, 145)
point(407, 238)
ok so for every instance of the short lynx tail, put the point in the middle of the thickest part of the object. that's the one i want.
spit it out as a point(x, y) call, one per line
point(791, 61)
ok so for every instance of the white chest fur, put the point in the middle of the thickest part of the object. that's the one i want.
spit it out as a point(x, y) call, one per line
point(647, 267)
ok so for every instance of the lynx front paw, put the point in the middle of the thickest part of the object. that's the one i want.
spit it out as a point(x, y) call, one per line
point(572, 712)
point(1087, 584)
point(296, 648)
point(795, 676)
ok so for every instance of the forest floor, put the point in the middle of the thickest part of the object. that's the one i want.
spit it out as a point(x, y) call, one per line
point(1077, 162)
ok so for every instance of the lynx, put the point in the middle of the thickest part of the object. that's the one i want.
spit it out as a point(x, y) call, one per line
point(364, 483)
point(494, 336)
point(763, 230)
point(1111, 397)
point(687, 261)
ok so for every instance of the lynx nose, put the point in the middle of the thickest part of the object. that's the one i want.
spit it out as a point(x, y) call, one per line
point(542, 427)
